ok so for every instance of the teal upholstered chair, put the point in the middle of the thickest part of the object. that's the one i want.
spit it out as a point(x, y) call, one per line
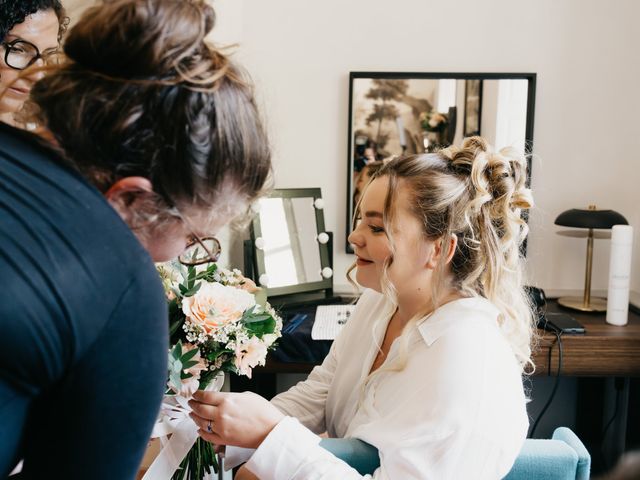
point(564, 457)
point(360, 455)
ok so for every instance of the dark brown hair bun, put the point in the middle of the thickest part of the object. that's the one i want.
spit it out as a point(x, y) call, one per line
point(139, 39)
point(144, 95)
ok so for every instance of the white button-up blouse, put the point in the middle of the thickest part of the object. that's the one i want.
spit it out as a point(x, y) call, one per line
point(456, 410)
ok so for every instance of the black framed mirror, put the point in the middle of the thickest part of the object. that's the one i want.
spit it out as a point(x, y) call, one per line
point(290, 244)
point(394, 113)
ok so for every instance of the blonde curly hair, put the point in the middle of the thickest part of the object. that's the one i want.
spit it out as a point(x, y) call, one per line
point(478, 195)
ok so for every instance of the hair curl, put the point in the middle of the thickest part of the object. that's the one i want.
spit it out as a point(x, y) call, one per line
point(477, 195)
point(142, 94)
point(13, 13)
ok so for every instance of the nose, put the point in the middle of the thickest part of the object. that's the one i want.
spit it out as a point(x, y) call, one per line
point(37, 73)
point(356, 238)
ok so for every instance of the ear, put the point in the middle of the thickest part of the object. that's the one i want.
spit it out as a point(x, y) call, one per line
point(123, 194)
point(438, 251)
point(128, 185)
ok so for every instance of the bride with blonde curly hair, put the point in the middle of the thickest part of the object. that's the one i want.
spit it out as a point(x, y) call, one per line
point(428, 371)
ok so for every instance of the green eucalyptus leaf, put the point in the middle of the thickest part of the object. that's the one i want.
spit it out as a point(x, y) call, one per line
point(187, 365)
point(175, 379)
point(256, 318)
point(262, 327)
point(214, 355)
point(191, 277)
point(176, 351)
point(175, 326)
point(192, 291)
point(189, 355)
point(176, 367)
point(208, 273)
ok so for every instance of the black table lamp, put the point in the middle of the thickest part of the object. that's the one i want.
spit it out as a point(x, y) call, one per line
point(592, 218)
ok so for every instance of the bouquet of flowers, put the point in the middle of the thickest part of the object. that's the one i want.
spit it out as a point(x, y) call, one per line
point(219, 322)
point(433, 121)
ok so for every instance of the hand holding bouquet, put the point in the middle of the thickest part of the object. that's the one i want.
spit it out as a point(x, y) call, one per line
point(218, 322)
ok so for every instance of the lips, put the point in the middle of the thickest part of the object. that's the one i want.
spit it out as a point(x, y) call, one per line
point(361, 261)
point(20, 90)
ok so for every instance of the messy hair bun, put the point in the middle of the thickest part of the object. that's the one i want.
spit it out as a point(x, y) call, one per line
point(141, 39)
point(142, 94)
point(497, 184)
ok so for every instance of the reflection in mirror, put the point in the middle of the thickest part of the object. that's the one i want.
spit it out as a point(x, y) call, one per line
point(290, 241)
point(291, 245)
point(407, 113)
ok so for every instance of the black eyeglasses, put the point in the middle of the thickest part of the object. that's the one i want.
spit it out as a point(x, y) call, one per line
point(20, 54)
point(201, 250)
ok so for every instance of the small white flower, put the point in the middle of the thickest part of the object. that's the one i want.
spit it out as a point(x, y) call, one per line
point(269, 338)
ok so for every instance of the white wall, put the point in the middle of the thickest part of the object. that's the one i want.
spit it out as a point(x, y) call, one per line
point(586, 120)
point(587, 102)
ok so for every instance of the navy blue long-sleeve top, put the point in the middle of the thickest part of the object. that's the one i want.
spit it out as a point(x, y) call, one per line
point(83, 324)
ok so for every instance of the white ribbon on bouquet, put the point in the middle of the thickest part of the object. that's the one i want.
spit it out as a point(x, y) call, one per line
point(177, 432)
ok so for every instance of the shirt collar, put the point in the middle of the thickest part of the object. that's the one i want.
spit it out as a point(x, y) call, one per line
point(449, 314)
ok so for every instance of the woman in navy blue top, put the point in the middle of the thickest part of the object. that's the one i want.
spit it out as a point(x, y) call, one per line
point(152, 139)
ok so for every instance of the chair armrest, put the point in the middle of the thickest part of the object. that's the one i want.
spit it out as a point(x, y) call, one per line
point(584, 459)
point(358, 454)
point(544, 459)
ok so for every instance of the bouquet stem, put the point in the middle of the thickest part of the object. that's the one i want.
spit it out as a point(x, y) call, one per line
point(198, 462)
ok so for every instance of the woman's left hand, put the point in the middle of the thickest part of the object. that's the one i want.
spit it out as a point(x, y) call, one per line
point(240, 419)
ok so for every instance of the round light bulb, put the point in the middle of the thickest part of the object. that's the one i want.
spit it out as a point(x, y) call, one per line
point(259, 243)
point(264, 280)
point(327, 272)
point(318, 203)
point(323, 238)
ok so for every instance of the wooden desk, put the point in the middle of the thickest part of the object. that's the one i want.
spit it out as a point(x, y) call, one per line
point(603, 351)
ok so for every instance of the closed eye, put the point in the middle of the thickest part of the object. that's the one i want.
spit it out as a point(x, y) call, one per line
point(376, 229)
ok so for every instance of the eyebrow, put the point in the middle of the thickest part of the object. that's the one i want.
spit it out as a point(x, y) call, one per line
point(373, 213)
point(10, 38)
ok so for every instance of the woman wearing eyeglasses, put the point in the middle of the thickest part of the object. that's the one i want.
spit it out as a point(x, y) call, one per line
point(30, 31)
point(157, 143)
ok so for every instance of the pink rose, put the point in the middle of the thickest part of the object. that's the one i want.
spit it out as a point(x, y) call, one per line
point(216, 305)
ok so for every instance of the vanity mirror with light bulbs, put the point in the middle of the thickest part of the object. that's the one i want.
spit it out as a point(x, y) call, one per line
point(290, 250)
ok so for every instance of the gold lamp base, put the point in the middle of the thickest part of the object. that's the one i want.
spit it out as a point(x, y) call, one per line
point(594, 304)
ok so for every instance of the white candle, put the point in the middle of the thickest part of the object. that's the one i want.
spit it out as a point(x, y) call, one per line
point(619, 275)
